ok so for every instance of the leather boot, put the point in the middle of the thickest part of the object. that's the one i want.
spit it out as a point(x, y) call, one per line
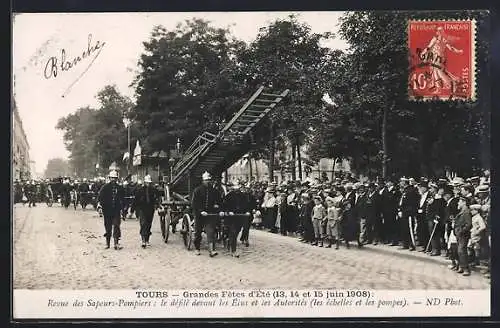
point(329, 243)
point(212, 252)
point(143, 245)
point(338, 244)
point(117, 244)
point(108, 242)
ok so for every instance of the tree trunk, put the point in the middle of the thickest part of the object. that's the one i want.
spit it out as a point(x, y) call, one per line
point(294, 160)
point(250, 168)
point(333, 169)
point(299, 158)
point(271, 153)
point(384, 143)
point(256, 170)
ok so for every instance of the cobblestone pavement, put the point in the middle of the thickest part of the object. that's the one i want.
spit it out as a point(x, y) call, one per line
point(57, 248)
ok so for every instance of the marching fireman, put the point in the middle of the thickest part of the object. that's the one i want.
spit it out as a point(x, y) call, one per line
point(146, 200)
point(111, 197)
point(206, 200)
point(237, 208)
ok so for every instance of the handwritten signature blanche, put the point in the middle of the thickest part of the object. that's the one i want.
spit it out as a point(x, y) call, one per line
point(54, 65)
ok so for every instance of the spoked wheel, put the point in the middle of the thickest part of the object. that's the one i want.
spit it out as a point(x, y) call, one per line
point(187, 231)
point(165, 226)
point(49, 201)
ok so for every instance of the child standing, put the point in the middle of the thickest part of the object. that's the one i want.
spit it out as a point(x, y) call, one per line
point(333, 226)
point(318, 214)
point(476, 233)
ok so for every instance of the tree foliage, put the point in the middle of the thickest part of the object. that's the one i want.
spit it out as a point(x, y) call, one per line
point(97, 135)
point(186, 84)
point(57, 167)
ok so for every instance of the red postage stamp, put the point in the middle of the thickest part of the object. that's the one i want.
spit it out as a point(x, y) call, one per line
point(442, 60)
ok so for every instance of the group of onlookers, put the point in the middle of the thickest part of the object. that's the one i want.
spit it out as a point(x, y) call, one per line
point(440, 217)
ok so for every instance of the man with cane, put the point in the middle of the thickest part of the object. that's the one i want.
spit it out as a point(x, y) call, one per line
point(435, 214)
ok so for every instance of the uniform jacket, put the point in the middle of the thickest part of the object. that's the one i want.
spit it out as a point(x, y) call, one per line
point(204, 199)
point(141, 201)
point(111, 196)
point(408, 203)
point(237, 202)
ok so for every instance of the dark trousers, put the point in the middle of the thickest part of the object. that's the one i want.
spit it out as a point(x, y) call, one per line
point(454, 253)
point(463, 258)
point(422, 231)
point(206, 223)
point(435, 245)
point(374, 229)
point(307, 229)
point(390, 228)
point(235, 224)
point(247, 222)
point(112, 226)
point(145, 221)
point(404, 231)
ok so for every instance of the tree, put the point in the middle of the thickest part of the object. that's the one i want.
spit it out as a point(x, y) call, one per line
point(186, 83)
point(57, 167)
point(97, 135)
point(287, 55)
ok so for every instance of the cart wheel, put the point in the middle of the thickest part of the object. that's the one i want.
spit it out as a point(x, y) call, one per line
point(187, 231)
point(165, 226)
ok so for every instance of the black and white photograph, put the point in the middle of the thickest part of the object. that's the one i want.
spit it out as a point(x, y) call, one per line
point(273, 153)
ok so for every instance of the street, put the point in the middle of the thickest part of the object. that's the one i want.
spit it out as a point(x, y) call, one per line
point(57, 248)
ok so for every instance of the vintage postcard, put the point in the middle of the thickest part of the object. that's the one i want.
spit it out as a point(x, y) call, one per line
point(250, 165)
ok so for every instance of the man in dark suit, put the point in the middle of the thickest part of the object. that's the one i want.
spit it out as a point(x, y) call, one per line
point(111, 197)
point(146, 200)
point(389, 198)
point(407, 209)
point(364, 211)
point(206, 200)
point(349, 221)
point(435, 218)
point(374, 219)
point(422, 233)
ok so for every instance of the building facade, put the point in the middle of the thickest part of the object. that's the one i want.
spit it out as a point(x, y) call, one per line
point(20, 149)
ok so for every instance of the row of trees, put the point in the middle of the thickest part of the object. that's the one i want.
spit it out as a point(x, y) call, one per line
point(196, 76)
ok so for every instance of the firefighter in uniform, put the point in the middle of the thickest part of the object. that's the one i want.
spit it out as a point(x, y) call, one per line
point(146, 199)
point(237, 208)
point(111, 197)
point(206, 200)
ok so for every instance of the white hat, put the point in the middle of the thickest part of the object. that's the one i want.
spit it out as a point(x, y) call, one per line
point(147, 178)
point(113, 174)
point(206, 176)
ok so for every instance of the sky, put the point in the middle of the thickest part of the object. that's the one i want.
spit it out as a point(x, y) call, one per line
point(41, 101)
